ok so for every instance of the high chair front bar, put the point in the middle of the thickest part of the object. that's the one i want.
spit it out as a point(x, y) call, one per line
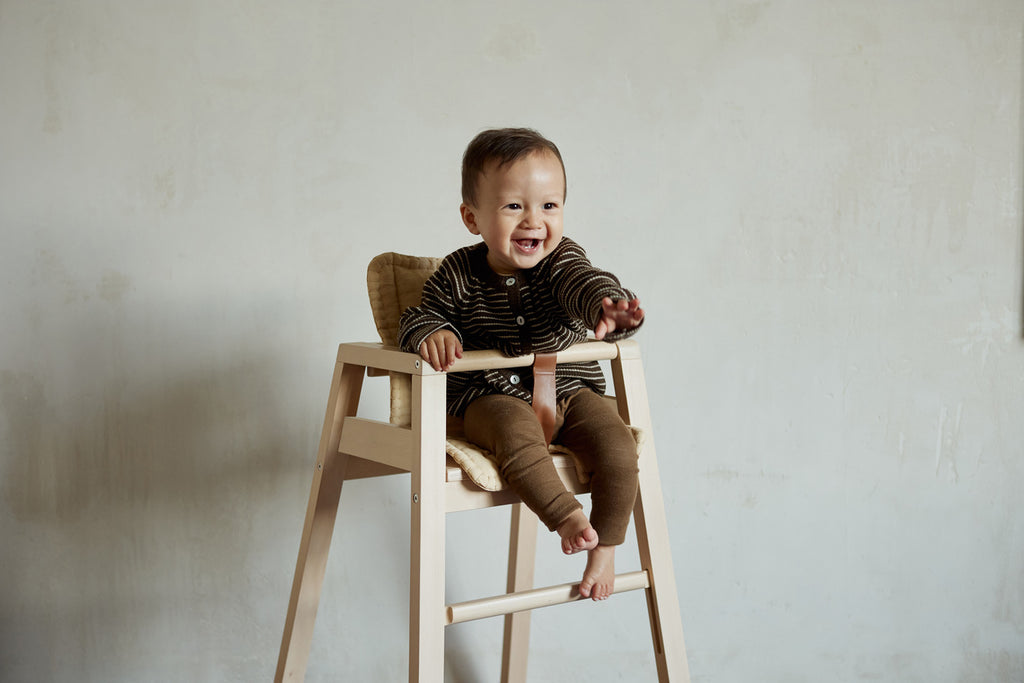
point(352, 447)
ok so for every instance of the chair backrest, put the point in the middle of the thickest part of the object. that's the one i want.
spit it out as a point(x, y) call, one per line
point(395, 282)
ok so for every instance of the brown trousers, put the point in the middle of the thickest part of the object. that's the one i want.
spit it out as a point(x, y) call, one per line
point(585, 423)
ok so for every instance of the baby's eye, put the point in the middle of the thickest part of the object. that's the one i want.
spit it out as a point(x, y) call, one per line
point(514, 206)
point(550, 205)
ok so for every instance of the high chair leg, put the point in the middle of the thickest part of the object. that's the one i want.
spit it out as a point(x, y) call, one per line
point(656, 557)
point(522, 552)
point(426, 599)
point(321, 513)
point(651, 525)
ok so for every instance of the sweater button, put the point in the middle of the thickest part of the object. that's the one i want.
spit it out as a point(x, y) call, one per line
point(514, 379)
point(520, 320)
point(511, 281)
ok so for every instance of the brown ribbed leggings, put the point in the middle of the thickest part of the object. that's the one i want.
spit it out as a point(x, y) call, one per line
point(585, 423)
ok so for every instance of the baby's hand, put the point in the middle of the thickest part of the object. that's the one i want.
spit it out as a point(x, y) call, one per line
point(618, 315)
point(441, 349)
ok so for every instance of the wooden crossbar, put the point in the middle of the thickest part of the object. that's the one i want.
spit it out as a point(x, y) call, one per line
point(538, 597)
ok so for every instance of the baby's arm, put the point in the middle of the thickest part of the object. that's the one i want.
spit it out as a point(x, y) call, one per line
point(429, 328)
point(592, 295)
point(618, 315)
point(440, 349)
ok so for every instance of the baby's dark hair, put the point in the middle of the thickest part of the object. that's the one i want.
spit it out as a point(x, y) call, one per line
point(505, 145)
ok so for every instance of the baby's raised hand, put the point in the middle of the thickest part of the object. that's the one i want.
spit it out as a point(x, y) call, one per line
point(441, 349)
point(618, 315)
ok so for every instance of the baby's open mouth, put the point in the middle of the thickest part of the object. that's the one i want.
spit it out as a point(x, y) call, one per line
point(527, 245)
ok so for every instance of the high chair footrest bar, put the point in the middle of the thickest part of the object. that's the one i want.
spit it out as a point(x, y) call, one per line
point(538, 597)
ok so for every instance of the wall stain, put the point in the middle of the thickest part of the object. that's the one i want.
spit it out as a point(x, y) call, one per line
point(113, 286)
point(165, 188)
point(30, 481)
point(986, 666)
point(947, 442)
point(1008, 598)
point(990, 332)
point(512, 43)
point(49, 269)
point(54, 44)
point(740, 18)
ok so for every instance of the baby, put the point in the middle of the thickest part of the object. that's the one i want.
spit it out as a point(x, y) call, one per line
point(527, 289)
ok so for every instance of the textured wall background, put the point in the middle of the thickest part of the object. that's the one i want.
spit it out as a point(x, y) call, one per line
point(820, 204)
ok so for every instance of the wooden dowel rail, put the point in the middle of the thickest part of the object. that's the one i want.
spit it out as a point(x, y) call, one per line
point(538, 597)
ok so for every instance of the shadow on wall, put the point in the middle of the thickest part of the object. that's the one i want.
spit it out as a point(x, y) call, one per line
point(136, 514)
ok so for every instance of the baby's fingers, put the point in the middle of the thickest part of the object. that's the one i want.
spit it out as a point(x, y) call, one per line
point(441, 351)
point(638, 314)
point(452, 350)
point(428, 352)
point(610, 306)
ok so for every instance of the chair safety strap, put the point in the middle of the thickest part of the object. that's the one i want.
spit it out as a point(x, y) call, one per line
point(544, 393)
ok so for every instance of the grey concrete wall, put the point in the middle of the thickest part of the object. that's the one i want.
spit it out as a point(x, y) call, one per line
point(818, 202)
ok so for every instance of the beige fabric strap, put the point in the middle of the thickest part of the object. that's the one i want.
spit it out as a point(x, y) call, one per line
point(544, 392)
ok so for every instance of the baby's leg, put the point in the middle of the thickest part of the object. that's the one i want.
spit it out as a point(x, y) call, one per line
point(594, 431)
point(508, 428)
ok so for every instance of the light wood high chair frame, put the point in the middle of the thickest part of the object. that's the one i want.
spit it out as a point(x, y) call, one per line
point(352, 447)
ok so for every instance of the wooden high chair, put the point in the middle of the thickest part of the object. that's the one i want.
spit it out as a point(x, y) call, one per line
point(413, 441)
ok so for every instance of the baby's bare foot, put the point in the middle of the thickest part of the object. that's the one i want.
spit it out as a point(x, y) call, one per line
point(599, 576)
point(577, 534)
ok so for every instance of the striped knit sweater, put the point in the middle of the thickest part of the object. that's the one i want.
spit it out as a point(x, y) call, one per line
point(546, 308)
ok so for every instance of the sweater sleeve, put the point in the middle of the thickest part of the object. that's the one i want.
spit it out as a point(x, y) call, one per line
point(434, 313)
point(580, 287)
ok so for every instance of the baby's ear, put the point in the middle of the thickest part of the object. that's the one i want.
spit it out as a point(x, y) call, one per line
point(469, 218)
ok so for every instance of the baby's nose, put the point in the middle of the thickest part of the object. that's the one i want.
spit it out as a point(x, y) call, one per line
point(533, 219)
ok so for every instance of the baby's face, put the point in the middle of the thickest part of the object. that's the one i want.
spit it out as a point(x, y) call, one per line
point(518, 211)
